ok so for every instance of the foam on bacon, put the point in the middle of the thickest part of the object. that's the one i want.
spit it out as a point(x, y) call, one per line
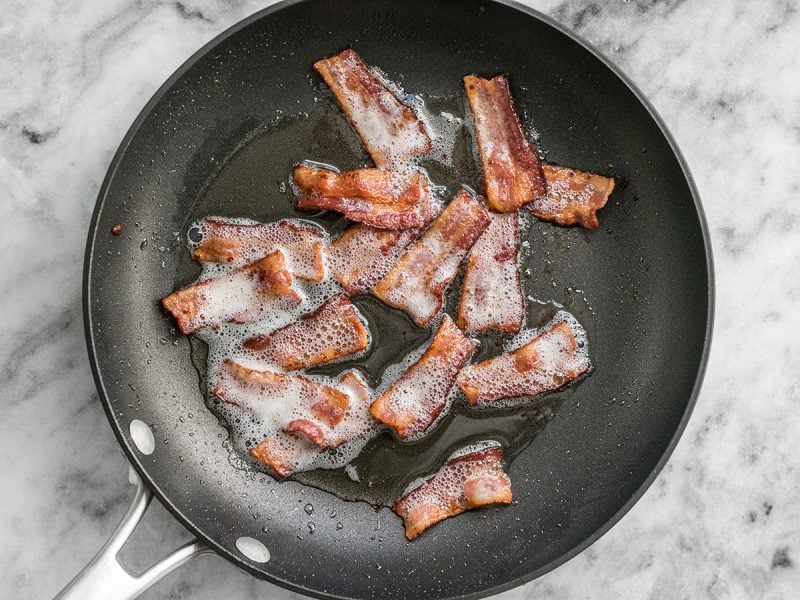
point(418, 281)
point(511, 167)
point(242, 295)
point(388, 128)
point(419, 396)
point(491, 293)
point(573, 197)
point(471, 478)
point(332, 332)
point(236, 242)
point(539, 360)
point(378, 197)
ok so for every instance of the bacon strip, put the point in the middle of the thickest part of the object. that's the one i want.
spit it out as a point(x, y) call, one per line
point(511, 167)
point(413, 402)
point(333, 331)
point(240, 296)
point(416, 283)
point(384, 199)
point(237, 244)
point(573, 197)
point(389, 129)
point(546, 363)
point(296, 447)
point(491, 294)
point(465, 482)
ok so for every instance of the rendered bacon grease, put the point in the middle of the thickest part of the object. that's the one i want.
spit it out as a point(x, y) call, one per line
point(273, 299)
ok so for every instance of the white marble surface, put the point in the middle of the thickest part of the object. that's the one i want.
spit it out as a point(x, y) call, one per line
point(721, 521)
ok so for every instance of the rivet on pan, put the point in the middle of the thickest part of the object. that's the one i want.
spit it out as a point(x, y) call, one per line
point(142, 436)
point(252, 549)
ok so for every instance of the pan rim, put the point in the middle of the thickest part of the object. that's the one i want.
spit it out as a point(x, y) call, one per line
point(137, 464)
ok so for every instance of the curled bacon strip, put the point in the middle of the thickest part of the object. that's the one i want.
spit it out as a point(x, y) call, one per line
point(240, 296)
point(546, 363)
point(389, 129)
point(491, 294)
point(384, 199)
point(413, 402)
point(416, 283)
point(573, 197)
point(511, 167)
point(463, 483)
point(236, 244)
point(333, 331)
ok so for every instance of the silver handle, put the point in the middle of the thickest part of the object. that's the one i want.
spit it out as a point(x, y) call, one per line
point(105, 578)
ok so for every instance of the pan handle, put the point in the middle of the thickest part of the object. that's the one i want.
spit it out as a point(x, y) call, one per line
point(106, 578)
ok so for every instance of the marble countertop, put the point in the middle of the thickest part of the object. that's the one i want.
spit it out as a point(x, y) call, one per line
point(721, 521)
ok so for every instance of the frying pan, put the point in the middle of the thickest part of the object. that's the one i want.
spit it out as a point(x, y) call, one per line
point(220, 136)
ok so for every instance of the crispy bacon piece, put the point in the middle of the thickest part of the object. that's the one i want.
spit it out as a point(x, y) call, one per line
point(236, 244)
point(511, 168)
point(573, 197)
point(389, 129)
point(463, 483)
point(377, 197)
point(294, 448)
point(240, 296)
point(546, 363)
point(416, 283)
point(491, 294)
point(333, 331)
point(413, 402)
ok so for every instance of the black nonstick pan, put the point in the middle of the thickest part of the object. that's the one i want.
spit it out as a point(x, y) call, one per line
point(220, 138)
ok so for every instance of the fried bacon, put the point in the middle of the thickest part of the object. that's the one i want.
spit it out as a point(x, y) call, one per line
point(464, 482)
point(413, 402)
point(389, 129)
point(546, 363)
point(295, 447)
point(235, 243)
point(377, 197)
point(240, 296)
point(573, 197)
point(333, 331)
point(511, 167)
point(491, 294)
point(417, 282)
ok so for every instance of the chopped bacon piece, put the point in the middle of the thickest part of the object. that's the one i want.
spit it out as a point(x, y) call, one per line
point(546, 363)
point(413, 402)
point(389, 129)
point(491, 294)
point(511, 168)
point(333, 331)
point(240, 296)
point(297, 446)
point(236, 244)
point(573, 197)
point(384, 199)
point(465, 482)
point(362, 255)
point(417, 282)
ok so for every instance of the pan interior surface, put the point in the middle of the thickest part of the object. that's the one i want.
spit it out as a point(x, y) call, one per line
point(215, 140)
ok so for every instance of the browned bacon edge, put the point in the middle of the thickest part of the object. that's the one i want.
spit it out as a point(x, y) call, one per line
point(331, 332)
point(389, 129)
point(523, 372)
point(573, 197)
point(377, 197)
point(512, 170)
point(431, 263)
point(463, 483)
point(403, 405)
point(230, 242)
point(187, 304)
point(491, 293)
